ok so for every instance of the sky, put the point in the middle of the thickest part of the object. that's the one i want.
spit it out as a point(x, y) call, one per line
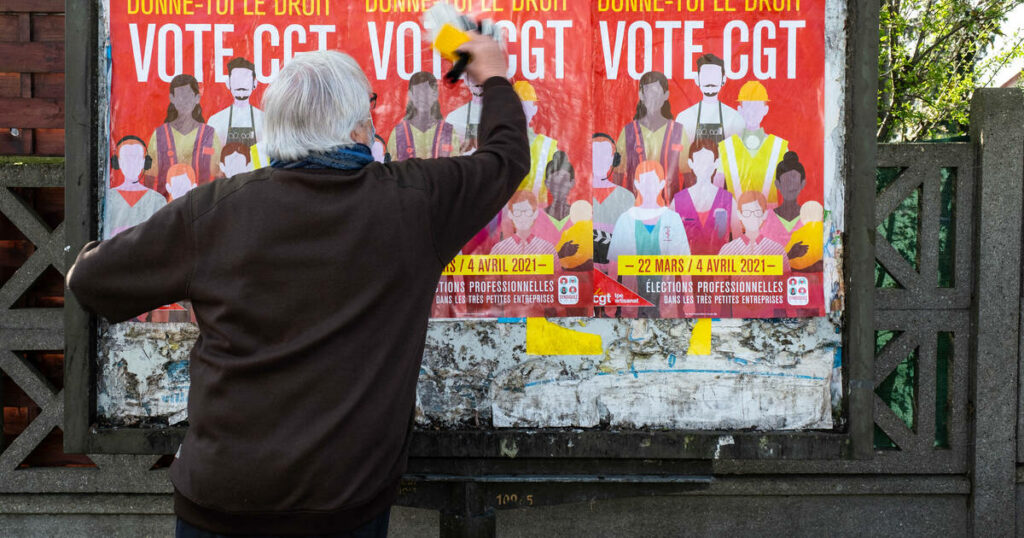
point(1014, 23)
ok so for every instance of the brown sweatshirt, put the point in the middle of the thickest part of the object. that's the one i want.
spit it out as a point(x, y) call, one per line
point(312, 290)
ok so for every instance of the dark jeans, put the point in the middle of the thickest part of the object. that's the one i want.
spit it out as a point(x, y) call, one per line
point(375, 528)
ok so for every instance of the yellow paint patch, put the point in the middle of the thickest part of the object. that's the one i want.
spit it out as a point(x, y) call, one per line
point(546, 338)
point(700, 338)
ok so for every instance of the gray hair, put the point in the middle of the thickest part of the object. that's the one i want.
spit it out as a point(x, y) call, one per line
point(314, 104)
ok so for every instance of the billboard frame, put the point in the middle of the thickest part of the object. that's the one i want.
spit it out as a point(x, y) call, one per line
point(477, 450)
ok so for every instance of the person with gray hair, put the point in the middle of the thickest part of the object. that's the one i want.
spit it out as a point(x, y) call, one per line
point(312, 281)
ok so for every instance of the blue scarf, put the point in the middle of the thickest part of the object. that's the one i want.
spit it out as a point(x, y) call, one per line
point(351, 157)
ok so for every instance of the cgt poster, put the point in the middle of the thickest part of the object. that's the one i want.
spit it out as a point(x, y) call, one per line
point(676, 147)
point(708, 158)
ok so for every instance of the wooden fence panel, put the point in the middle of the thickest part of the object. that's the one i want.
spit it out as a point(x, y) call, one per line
point(31, 77)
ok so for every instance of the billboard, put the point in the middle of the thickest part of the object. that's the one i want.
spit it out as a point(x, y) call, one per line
point(685, 163)
point(676, 148)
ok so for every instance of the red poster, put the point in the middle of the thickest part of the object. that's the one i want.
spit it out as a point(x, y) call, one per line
point(693, 200)
point(213, 60)
point(708, 156)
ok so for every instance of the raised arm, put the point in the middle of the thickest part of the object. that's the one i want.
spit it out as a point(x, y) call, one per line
point(467, 192)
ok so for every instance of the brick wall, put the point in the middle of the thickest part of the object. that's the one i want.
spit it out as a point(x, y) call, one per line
point(31, 77)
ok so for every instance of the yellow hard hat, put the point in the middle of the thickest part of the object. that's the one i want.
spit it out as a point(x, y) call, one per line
point(525, 90)
point(753, 91)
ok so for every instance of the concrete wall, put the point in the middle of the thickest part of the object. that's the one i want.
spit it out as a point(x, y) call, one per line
point(796, 515)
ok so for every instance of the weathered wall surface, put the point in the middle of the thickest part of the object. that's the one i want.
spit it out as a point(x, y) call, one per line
point(764, 374)
point(760, 374)
point(143, 374)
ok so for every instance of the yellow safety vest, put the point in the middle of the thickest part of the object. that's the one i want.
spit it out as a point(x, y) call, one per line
point(542, 150)
point(254, 156)
point(751, 172)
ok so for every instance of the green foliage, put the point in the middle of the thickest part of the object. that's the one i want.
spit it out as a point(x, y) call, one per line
point(932, 54)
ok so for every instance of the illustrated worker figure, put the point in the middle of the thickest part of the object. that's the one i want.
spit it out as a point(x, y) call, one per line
point(379, 150)
point(750, 157)
point(235, 159)
point(542, 147)
point(709, 118)
point(653, 136)
point(240, 122)
point(790, 180)
point(524, 210)
point(184, 137)
point(649, 228)
point(422, 132)
point(181, 178)
point(130, 202)
point(610, 200)
point(311, 301)
point(707, 210)
point(559, 179)
point(466, 119)
point(752, 209)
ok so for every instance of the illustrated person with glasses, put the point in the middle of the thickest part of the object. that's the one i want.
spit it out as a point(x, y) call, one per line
point(753, 211)
point(523, 209)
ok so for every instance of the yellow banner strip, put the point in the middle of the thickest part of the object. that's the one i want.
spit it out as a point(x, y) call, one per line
point(700, 265)
point(700, 338)
point(546, 338)
point(526, 264)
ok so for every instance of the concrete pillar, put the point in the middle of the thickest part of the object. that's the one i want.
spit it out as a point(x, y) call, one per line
point(997, 133)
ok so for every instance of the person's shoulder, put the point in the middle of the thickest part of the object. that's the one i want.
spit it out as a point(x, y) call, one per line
point(772, 246)
point(686, 113)
point(208, 197)
point(731, 245)
point(679, 196)
point(219, 115)
point(626, 216)
point(672, 217)
point(152, 196)
point(504, 247)
point(540, 242)
point(456, 114)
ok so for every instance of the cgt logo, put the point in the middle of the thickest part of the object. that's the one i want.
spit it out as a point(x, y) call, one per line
point(602, 299)
point(568, 290)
